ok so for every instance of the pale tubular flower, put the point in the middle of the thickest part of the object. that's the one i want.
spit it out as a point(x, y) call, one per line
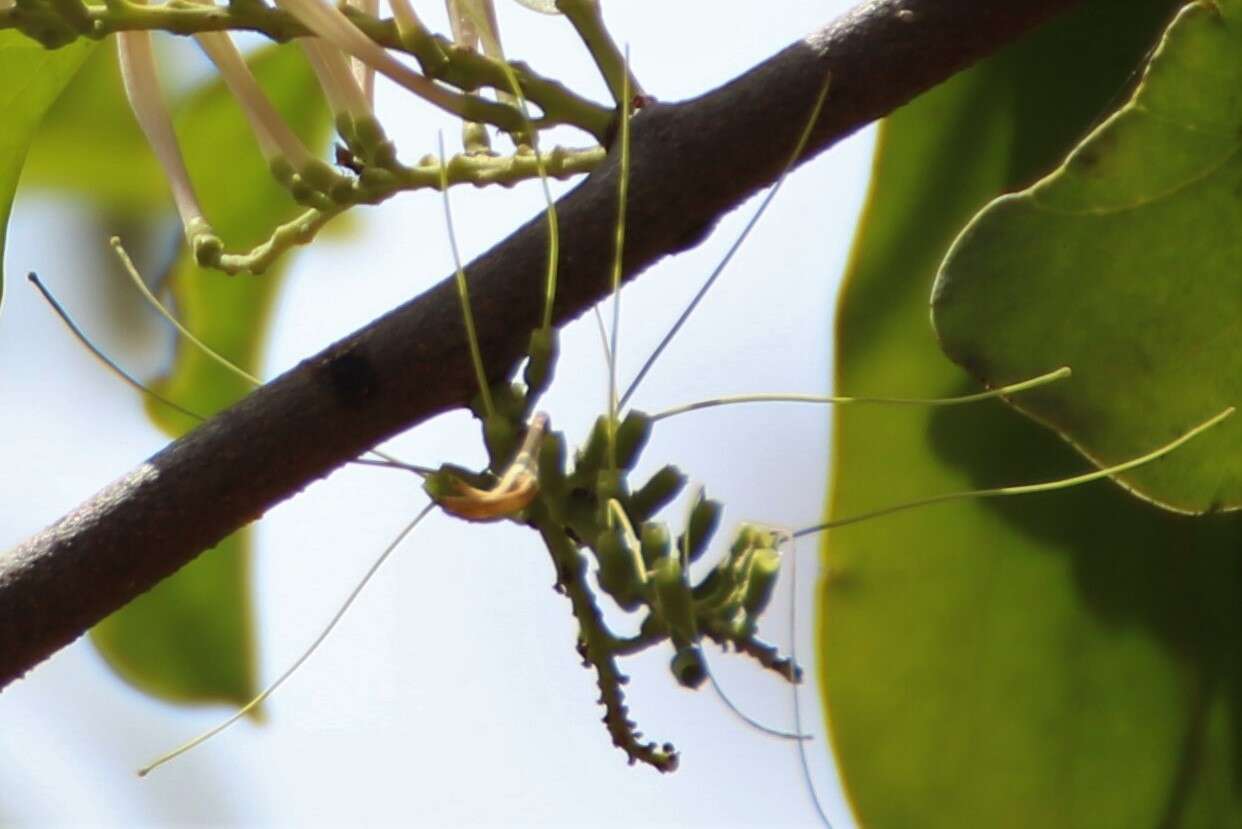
point(138, 73)
point(276, 140)
point(344, 95)
point(363, 73)
point(330, 23)
point(474, 21)
point(407, 19)
point(542, 6)
point(465, 32)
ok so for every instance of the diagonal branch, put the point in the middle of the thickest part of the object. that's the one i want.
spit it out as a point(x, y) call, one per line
point(692, 162)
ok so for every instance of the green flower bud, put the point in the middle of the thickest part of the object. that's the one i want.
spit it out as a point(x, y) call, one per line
point(617, 576)
point(656, 493)
point(761, 581)
point(673, 598)
point(632, 436)
point(704, 519)
point(656, 544)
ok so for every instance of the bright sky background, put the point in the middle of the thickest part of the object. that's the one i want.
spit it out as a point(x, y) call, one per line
point(452, 694)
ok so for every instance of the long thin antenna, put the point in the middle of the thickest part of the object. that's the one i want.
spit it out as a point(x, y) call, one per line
point(270, 689)
point(623, 189)
point(1023, 489)
point(746, 718)
point(99, 355)
point(383, 459)
point(797, 697)
point(554, 234)
point(1003, 391)
point(463, 289)
point(127, 264)
point(603, 338)
point(737, 244)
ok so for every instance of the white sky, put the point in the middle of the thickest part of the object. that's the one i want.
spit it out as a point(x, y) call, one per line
point(452, 694)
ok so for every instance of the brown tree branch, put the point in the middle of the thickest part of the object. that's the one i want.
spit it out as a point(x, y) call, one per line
point(692, 162)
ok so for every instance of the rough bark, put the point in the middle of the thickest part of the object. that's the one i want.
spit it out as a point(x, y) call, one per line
point(692, 163)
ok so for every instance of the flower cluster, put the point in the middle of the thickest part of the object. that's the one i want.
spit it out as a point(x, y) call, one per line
point(345, 46)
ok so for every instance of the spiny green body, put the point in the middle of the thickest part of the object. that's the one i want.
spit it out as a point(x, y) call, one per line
point(587, 509)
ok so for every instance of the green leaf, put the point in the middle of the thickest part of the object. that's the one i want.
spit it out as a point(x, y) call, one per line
point(1126, 264)
point(1062, 660)
point(30, 79)
point(90, 144)
point(191, 638)
point(203, 612)
point(243, 203)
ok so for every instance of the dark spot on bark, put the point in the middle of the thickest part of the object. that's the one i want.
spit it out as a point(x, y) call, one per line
point(351, 377)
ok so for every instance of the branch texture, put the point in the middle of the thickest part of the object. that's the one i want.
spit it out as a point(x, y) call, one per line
point(691, 163)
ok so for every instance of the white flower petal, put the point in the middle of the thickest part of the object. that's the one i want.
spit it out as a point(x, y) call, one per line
point(330, 23)
point(364, 74)
point(407, 19)
point(464, 32)
point(273, 134)
point(542, 6)
point(344, 94)
point(138, 71)
point(477, 19)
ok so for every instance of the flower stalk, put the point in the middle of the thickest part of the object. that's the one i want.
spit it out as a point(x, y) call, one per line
point(363, 73)
point(310, 180)
point(330, 23)
point(588, 18)
point(273, 135)
point(138, 73)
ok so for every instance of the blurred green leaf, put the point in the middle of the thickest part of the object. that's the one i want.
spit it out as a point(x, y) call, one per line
point(191, 641)
point(90, 144)
point(1062, 660)
point(1126, 264)
point(243, 203)
point(31, 78)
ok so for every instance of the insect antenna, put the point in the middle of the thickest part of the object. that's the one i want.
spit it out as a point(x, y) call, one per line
point(107, 361)
point(1002, 391)
point(603, 339)
point(623, 189)
point(1022, 489)
point(683, 550)
point(306, 654)
point(790, 537)
point(382, 459)
point(796, 695)
point(737, 244)
point(463, 290)
point(746, 718)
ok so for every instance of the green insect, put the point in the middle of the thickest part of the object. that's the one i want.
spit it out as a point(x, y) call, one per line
point(635, 580)
point(600, 526)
